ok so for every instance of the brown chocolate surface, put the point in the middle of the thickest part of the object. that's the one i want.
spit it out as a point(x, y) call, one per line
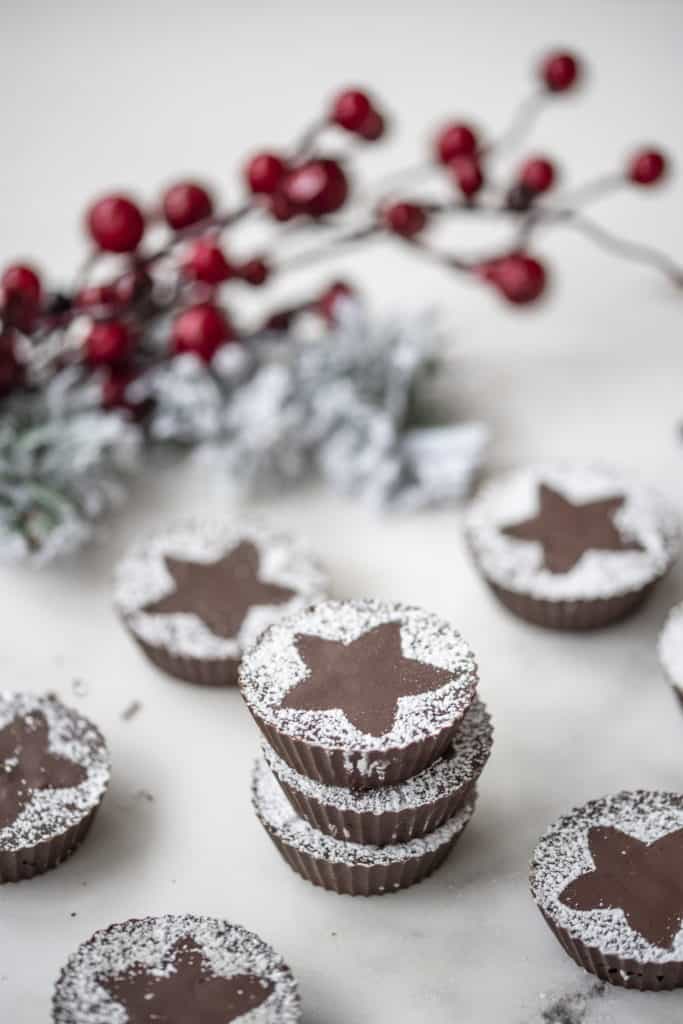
point(566, 531)
point(220, 593)
point(190, 993)
point(644, 879)
point(364, 679)
point(27, 765)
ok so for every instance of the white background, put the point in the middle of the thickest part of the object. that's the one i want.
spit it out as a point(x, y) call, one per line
point(132, 94)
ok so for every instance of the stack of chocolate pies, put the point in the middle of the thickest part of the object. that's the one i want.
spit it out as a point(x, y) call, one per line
point(374, 739)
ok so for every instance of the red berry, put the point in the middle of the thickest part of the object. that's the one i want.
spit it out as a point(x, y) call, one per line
point(265, 172)
point(115, 224)
point(455, 139)
point(327, 302)
point(108, 342)
point(559, 71)
point(468, 174)
point(185, 204)
point(279, 321)
point(11, 370)
point(317, 187)
point(406, 219)
point(647, 167)
point(537, 174)
point(96, 295)
point(205, 261)
point(201, 329)
point(114, 386)
point(255, 272)
point(281, 208)
point(21, 284)
point(373, 127)
point(350, 109)
point(519, 277)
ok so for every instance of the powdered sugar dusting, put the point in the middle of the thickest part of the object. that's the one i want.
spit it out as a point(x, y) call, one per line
point(671, 646)
point(273, 666)
point(277, 816)
point(562, 855)
point(227, 949)
point(51, 812)
point(463, 765)
point(142, 578)
point(518, 564)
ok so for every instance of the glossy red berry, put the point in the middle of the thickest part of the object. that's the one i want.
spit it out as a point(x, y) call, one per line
point(186, 204)
point(255, 272)
point(537, 174)
point(373, 127)
point(327, 303)
point(108, 342)
point(21, 283)
point(205, 261)
point(350, 109)
point(559, 71)
point(264, 173)
point(201, 330)
point(317, 187)
point(468, 174)
point(115, 224)
point(647, 167)
point(520, 278)
point(455, 139)
point(406, 219)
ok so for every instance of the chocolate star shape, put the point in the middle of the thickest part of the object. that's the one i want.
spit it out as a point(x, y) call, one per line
point(191, 993)
point(26, 765)
point(365, 678)
point(566, 531)
point(644, 879)
point(220, 593)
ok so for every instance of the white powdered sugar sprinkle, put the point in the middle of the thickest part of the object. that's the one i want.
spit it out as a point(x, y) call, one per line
point(463, 765)
point(671, 646)
point(274, 666)
point(645, 518)
point(49, 813)
point(563, 855)
point(278, 817)
point(227, 949)
point(142, 578)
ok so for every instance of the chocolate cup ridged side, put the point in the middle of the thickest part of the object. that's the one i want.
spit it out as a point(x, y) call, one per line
point(362, 880)
point(199, 671)
point(571, 615)
point(626, 973)
point(376, 829)
point(19, 865)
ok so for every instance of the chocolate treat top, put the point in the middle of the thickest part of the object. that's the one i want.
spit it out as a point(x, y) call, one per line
point(54, 769)
point(207, 589)
point(570, 532)
point(462, 765)
point(175, 969)
point(359, 675)
point(671, 646)
point(279, 818)
point(611, 874)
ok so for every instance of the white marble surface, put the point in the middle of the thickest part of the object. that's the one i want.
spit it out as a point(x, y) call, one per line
point(95, 94)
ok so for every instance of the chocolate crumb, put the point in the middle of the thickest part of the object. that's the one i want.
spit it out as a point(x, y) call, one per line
point(572, 1008)
point(131, 710)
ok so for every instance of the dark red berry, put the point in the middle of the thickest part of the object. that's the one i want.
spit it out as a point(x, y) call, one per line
point(373, 127)
point(467, 173)
point(96, 295)
point(114, 386)
point(281, 208)
point(537, 174)
point(520, 278)
point(201, 329)
point(406, 219)
point(185, 204)
point(108, 342)
point(317, 187)
point(265, 172)
point(279, 321)
point(350, 109)
point(456, 139)
point(11, 370)
point(255, 272)
point(115, 224)
point(647, 167)
point(559, 71)
point(205, 261)
point(328, 301)
point(21, 283)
